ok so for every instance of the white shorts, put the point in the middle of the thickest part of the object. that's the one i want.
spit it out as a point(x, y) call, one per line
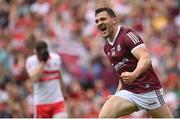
point(150, 100)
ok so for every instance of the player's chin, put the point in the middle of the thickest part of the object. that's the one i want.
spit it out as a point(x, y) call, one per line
point(105, 35)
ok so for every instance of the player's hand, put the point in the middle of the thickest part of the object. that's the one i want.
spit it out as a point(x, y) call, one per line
point(36, 73)
point(128, 77)
point(40, 67)
point(42, 63)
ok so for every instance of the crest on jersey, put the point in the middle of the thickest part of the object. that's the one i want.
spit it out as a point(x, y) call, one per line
point(113, 53)
point(118, 47)
point(108, 54)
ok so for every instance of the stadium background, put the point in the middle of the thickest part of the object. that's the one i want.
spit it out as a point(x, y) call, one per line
point(68, 27)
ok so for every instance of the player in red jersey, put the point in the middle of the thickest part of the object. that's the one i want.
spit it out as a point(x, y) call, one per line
point(44, 70)
point(139, 87)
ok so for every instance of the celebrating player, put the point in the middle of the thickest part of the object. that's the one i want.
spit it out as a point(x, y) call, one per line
point(130, 58)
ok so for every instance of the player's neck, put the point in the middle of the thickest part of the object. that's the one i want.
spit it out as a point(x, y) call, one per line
point(112, 37)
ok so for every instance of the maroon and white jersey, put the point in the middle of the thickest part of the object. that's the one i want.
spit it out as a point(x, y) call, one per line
point(120, 55)
point(47, 90)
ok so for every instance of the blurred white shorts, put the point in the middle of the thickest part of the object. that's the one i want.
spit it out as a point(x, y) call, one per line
point(150, 100)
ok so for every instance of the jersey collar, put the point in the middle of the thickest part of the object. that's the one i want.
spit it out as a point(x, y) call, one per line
point(113, 41)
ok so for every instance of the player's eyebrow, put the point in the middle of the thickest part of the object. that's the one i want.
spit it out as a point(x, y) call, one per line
point(101, 19)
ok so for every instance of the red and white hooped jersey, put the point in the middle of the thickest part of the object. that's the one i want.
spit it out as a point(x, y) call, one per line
point(47, 90)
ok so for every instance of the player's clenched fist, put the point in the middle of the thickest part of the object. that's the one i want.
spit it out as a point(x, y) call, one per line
point(128, 77)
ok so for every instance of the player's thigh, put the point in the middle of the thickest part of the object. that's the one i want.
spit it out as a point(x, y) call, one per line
point(116, 107)
point(161, 112)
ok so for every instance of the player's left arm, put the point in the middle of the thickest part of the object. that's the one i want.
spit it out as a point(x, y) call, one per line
point(144, 60)
point(62, 84)
point(140, 51)
point(143, 64)
point(143, 55)
point(63, 87)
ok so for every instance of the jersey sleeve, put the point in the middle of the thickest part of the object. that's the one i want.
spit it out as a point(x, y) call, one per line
point(132, 41)
point(58, 59)
point(29, 65)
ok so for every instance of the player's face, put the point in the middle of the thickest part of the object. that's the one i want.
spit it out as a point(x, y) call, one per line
point(104, 23)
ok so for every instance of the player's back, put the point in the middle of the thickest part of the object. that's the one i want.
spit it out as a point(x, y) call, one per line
point(47, 90)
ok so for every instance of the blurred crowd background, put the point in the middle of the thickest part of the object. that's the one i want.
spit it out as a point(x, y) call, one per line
point(69, 28)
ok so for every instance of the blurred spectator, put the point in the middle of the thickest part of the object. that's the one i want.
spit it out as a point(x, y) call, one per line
point(4, 15)
point(69, 28)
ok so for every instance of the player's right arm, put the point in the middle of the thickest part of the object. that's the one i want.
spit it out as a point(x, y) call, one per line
point(119, 86)
point(34, 71)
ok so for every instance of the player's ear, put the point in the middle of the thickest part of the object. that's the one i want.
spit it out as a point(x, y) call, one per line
point(114, 20)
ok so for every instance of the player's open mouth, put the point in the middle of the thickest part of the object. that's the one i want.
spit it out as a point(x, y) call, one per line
point(103, 28)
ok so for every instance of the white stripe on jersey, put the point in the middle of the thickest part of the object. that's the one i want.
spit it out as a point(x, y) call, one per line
point(136, 39)
point(138, 46)
point(133, 38)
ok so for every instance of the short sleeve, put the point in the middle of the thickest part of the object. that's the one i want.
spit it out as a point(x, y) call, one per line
point(57, 59)
point(132, 41)
point(59, 63)
point(29, 65)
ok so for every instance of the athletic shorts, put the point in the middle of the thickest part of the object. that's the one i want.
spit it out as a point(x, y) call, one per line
point(50, 110)
point(149, 100)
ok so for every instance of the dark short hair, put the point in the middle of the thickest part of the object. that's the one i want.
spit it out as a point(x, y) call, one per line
point(41, 45)
point(109, 11)
point(42, 50)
